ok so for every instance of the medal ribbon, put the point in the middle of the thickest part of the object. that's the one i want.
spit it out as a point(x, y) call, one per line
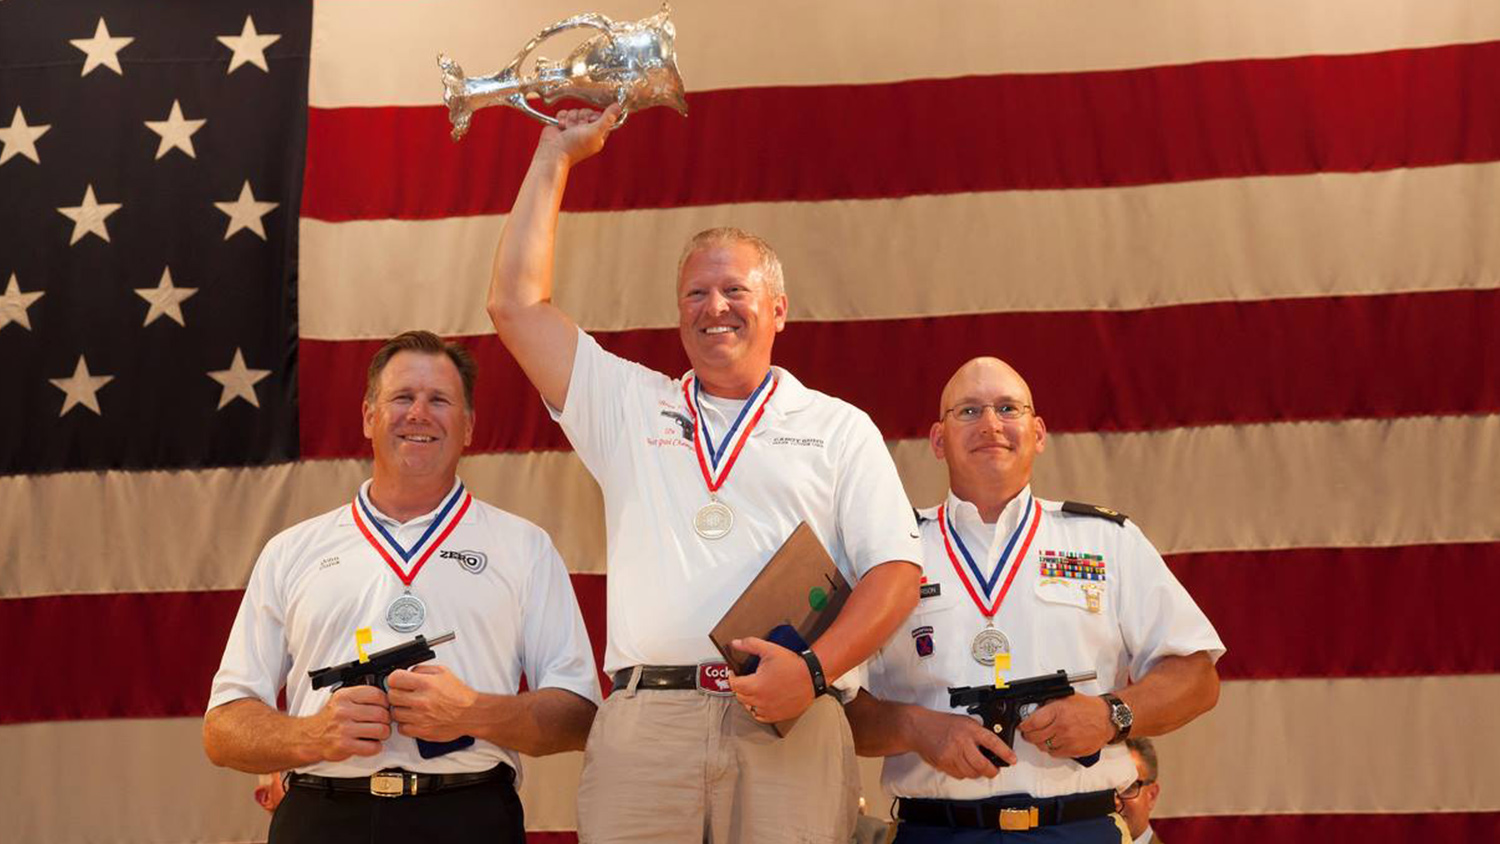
point(1030, 518)
point(443, 524)
point(758, 400)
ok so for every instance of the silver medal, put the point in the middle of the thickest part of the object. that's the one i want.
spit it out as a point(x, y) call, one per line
point(714, 520)
point(406, 613)
point(987, 644)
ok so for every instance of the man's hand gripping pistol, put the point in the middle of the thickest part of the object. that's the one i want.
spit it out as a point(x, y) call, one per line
point(1003, 707)
point(373, 671)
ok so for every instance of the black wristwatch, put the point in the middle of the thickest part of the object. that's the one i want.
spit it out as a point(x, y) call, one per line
point(815, 668)
point(1119, 715)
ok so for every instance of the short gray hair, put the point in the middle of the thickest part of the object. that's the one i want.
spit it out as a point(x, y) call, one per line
point(1147, 750)
point(769, 265)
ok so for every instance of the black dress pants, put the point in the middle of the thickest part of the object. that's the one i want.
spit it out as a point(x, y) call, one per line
point(489, 812)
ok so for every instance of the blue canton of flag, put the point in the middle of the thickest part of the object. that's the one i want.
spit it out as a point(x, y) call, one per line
point(151, 162)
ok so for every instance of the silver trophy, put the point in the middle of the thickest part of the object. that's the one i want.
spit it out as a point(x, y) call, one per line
point(633, 64)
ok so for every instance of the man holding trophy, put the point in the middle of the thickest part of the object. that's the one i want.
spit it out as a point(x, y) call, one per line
point(703, 478)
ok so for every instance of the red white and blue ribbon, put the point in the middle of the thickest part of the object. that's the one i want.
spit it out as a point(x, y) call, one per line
point(390, 550)
point(1008, 564)
point(720, 458)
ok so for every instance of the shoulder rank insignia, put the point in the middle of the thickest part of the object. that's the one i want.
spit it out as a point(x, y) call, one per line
point(1078, 508)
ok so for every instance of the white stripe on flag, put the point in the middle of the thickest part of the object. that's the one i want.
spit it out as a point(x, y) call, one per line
point(1277, 746)
point(1112, 248)
point(1252, 487)
point(382, 52)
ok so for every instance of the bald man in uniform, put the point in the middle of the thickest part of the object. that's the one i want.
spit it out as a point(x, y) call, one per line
point(1037, 586)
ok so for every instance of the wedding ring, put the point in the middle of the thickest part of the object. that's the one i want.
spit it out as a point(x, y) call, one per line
point(1048, 743)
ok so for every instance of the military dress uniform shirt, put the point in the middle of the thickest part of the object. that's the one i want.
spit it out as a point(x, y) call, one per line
point(1089, 594)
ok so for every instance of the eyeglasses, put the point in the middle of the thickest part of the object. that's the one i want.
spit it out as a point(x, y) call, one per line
point(1132, 791)
point(1008, 410)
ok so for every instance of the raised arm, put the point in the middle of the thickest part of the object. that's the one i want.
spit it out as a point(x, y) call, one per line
point(538, 334)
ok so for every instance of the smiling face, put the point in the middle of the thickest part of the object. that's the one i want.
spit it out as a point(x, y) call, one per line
point(728, 317)
point(417, 420)
point(990, 456)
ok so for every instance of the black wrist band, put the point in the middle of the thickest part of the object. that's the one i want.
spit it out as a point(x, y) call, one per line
point(1120, 717)
point(815, 668)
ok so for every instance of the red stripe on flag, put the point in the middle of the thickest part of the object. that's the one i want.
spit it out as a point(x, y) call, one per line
point(121, 655)
point(1223, 363)
point(1374, 111)
point(1316, 829)
point(1297, 613)
point(148, 654)
point(1350, 612)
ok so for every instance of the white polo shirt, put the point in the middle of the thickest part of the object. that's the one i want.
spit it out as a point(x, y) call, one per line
point(318, 582)
point(811, 458)
point(1139, 613)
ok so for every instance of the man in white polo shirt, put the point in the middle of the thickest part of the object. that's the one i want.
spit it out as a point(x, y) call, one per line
point(413, 553)
point(704, 477)
point(1028, 587)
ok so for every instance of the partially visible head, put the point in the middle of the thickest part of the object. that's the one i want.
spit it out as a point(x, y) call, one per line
point(987, 451)
point(731, 303)
point(418, 408)
point(1137, 809)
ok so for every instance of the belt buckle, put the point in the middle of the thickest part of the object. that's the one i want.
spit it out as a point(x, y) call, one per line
point(1018, 820)
point(713, 679)
point(387, 784)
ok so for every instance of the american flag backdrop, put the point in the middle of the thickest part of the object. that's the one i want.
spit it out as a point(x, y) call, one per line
point(1247, 252)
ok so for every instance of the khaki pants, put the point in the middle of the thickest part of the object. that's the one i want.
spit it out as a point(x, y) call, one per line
point(683, 766)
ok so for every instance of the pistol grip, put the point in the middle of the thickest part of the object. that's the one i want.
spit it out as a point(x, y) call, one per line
point(1007, 734)
point(1005, 728)
point(994, 760)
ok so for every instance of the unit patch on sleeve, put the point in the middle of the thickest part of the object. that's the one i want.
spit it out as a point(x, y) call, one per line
point(922, 640)
point(1071, 565)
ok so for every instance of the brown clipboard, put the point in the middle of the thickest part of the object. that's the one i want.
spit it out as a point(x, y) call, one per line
point(799, 586)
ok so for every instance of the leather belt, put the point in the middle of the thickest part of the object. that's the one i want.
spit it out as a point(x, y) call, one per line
point(709, 677)
point(1017, 813)
point(399, 783)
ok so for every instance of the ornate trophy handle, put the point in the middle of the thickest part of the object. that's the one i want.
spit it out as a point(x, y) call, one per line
point(592, 20)
point(632, 64)
point(624, 110)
